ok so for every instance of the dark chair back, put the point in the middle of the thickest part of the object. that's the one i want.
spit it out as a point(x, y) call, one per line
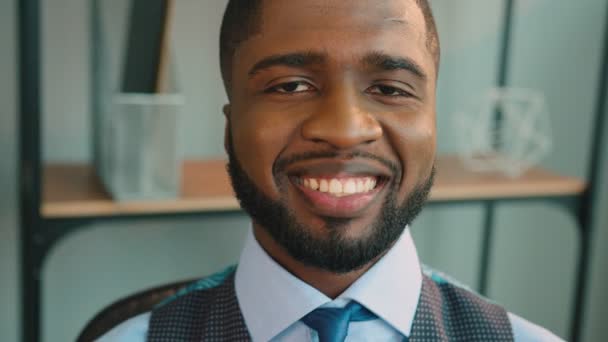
point(126, 308)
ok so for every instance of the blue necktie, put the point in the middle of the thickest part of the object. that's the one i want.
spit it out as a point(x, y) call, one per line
point(332, 323)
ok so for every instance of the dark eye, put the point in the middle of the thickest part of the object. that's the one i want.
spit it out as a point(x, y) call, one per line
point(291, 87)
point(386, 90)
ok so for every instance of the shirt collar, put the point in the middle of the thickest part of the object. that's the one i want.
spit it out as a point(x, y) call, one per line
point(271, 299)
point(391, 287)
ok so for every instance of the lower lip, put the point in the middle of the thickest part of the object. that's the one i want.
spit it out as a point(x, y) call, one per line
point(344, 206)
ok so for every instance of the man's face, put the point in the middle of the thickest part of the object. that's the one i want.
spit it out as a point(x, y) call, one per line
point(331, 126)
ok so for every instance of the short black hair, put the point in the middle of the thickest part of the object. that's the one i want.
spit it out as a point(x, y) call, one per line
point(242, 19)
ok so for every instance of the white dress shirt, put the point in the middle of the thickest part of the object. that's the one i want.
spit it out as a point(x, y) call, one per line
point(388, 291)
point(273, 301)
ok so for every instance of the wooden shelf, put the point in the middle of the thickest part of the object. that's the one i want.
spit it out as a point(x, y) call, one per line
point(455, 182)
point(73, 190)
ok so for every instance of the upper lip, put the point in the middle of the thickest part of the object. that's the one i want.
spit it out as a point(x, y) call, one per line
point(336, 167)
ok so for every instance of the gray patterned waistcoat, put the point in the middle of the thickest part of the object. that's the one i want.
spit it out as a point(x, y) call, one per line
point(208, 311)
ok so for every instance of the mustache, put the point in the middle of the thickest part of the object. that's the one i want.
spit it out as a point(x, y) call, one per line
point(282, 163)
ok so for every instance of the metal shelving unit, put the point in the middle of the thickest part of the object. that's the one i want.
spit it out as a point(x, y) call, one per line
point(46, 216)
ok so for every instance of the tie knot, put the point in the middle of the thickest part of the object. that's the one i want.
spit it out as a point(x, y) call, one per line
point(332, 323)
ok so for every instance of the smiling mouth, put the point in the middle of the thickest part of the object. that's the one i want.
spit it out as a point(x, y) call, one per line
point(339, 187)
point(344, 196)
point(344, 188)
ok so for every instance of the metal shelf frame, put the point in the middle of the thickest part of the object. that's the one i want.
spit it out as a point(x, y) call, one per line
point(39, 234)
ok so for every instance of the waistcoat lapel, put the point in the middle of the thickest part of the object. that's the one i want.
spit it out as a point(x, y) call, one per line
point(209, 314)
point(445, 313)
point(449, 313)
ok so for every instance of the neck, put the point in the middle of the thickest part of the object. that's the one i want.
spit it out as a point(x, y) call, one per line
point(329, 283)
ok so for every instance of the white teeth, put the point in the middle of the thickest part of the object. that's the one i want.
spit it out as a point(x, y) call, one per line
point(340, 187)
point(324, 186)
point(335, 187)
point(350, 187)
point(314, 184)
point(361, 185)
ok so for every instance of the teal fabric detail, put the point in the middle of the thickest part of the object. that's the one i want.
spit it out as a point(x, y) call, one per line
point(441, 278)
point(438, 277)
point(202, 284)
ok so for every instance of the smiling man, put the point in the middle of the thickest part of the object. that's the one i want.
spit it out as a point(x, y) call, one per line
point(330, 133)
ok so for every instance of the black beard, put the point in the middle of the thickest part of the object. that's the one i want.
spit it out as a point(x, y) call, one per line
point(334, 253)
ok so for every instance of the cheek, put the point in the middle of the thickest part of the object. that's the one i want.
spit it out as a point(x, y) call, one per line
point(414, 139)
point(258, 140)
point(422, 137)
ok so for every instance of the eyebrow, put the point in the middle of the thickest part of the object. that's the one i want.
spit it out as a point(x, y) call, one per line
point(294, 60)
point(387, 62)
point(375, 59)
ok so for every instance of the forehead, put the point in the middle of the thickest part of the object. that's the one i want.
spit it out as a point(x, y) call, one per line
point(340, 28)
point(356, 15)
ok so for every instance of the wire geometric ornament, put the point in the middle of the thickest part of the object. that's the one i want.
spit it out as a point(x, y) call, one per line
point(506, 130)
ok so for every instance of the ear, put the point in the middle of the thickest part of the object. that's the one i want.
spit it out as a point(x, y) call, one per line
point(227, 112)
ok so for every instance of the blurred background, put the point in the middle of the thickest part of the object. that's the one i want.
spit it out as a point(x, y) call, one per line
point(556, 48)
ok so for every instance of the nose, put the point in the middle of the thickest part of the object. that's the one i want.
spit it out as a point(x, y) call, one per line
point(341, 122)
